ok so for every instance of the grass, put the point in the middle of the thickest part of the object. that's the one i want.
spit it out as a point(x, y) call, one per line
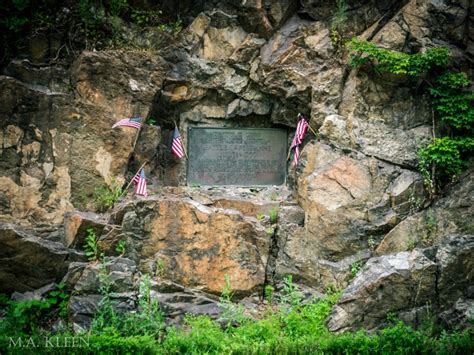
point(286, 326)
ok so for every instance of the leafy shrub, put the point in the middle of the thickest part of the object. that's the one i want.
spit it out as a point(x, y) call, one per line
point(448, 154)
point(385, 60)
point(90, 247)
point(104, 196)
point(453, 101)
point(24, 318)
point(290, 296)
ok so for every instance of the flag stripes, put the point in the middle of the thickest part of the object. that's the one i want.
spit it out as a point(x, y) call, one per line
point(134, 122)
point(140, 183)
point(301, 129)
point(177, 144)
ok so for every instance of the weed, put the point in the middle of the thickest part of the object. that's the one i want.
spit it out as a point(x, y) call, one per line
point(104, 197)
point(120, 248)
point(290, 295)
point(160, 268)
point(338, 24)
point(231, 313)
point(29, 317)
point(58, 297)
point(416, 202)
point(273, 214)
point(444, 158)
point(90, 247)
point(331, 290)
point(106, 318)
point(260, 217)
point(270, 231)
point(355, 267)
point(268, 293)
point(431, 228)
point(371, 242)
point(411, 244)
point(146, 17)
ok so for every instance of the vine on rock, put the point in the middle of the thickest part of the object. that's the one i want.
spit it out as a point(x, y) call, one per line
point(446, 156)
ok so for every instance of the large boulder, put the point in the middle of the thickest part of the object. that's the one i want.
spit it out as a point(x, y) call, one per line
point(385, 284)
point(411, 285)
point(449, 215)
point(28, 262)
point(350, 201)
point(195, 245)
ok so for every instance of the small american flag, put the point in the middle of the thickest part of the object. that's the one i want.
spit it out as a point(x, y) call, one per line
point(140, 183)
point(177, 144)
point(301, 129)
point(134, 122)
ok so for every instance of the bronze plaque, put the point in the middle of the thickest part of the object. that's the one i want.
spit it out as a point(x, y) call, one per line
point(236, 156)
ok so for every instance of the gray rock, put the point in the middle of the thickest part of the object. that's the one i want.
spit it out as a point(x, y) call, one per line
point(412, 287)
point(28, 262)
point(76, 224)
point(177, 301)
point(82, 309)
point(385, 284)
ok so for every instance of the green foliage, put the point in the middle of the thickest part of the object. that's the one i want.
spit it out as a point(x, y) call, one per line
point(105, 196)
point(446, 157)
point(268, 293)
point(231, 312)
point(151, 121)
point(384, 60)
point(92, 15)
point(431, 226)
point(260, 217)
point(355, 267)
point(338, 24)
point(59, 298)
point(24, 318)
point(411, 244)
point(290, 296)
point(371, 242)
point(118, 7)
point(160, 268)
point(453, 100)
point(146, 17)
point(90, 247)
point(301, 330)
point(120, 248)
point(448, 154)
point(273, 214)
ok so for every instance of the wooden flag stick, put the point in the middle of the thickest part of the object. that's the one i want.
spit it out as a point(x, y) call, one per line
point(143, 165)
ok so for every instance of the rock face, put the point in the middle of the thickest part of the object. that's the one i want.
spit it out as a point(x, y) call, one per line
point(28, 262)
point(350, 202)
point(57, 142)
point(451, 214)
point(409, 284)
point(355, 196)
point(196, 246)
